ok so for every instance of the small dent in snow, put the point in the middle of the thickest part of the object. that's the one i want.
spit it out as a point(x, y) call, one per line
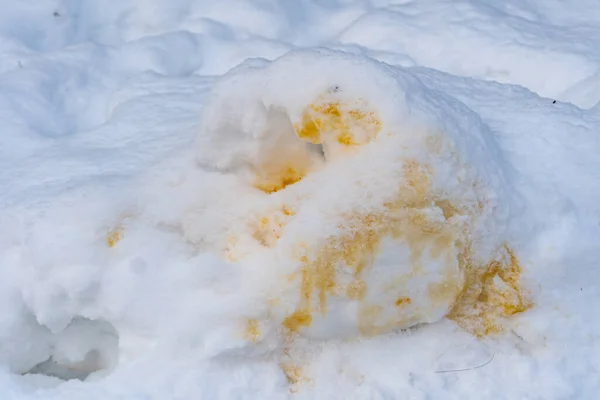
point(83, 348)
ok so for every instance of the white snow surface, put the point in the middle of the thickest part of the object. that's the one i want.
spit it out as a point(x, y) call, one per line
point(138, 256)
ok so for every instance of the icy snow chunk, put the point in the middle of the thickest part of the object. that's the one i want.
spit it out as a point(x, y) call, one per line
point(379, 204)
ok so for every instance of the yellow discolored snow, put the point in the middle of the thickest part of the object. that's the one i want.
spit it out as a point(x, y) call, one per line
point(114, 236)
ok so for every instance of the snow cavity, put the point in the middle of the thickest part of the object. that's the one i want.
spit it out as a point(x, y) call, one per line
point(83, 348)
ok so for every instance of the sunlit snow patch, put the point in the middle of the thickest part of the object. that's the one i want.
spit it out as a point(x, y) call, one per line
point(383, 205)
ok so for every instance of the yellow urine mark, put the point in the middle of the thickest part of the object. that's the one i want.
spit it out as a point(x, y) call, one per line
point(308, 129)
point(447, 208)
point(402, 301)
point(229, 250)
point(292, 372)
point(490, 295)
point(288, 165)
point(346, 139)
point(287, 211)
point(275, 181)
point(347, 125)
point(114, 236)
point(252, 331)
point(356, 290)
point(296, 320)
point(283, 164)
point(268, 229)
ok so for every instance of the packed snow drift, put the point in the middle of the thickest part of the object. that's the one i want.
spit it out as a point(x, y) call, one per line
point(381, 208)
point(302, 199)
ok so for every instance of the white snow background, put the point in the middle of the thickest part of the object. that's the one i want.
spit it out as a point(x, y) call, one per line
point(129, 133)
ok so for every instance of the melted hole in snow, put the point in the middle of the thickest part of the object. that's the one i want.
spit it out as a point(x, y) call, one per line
point(83, 348)
point(284, 159)
point(329, 128)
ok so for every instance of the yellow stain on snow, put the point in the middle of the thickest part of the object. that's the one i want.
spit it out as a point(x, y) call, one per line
point(286, 210)
point(490, 294)
point(252, 331)
point(275, 180)
point(285, 163)
point(356, 290)
point(402, 301)
point(267, 230)
point(292, 372)
point(114, 236)
point(347, 125)
point(296, 320)
point(230, 248)
point(290, 162)
point(294, 369)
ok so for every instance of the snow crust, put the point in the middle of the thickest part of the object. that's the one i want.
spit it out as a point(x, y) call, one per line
point(302, 199)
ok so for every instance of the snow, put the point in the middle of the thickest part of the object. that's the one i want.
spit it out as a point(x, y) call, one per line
point(299, 199)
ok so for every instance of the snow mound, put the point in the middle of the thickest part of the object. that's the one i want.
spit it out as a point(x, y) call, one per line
point(363, 202)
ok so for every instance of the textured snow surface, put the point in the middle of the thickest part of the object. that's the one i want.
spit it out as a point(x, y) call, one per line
point(299, 199)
